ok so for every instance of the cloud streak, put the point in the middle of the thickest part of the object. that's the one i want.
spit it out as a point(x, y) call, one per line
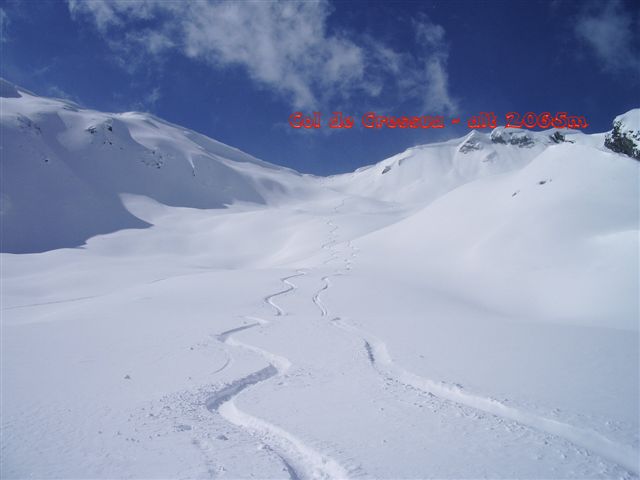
point(4, 23)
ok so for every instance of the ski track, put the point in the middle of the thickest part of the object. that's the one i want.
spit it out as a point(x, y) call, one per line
point(378, 356)
point(596, 443)
point(290, 287)
point(316, 297)
point(226, 364)
point(224, 335)
point(299, 460)
point(53, 302)
point(330, 245)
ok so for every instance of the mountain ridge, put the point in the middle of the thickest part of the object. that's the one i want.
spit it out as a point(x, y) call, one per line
point(65, 169)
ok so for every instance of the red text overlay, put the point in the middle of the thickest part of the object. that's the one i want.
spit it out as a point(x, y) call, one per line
point(372, 120)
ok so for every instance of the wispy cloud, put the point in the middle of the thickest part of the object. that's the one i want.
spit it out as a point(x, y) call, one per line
point(432, 39)
point(4, 23)
point(284, 46)
point(57, 92)
point(608, 30)
point(148, 101)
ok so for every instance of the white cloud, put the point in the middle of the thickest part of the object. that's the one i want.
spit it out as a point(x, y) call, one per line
point(608, 30)
point(284, 46)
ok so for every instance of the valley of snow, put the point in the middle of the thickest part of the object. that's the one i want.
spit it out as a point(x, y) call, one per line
point(175, 308)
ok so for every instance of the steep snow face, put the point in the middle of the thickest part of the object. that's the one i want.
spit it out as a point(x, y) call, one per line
point(65, 168)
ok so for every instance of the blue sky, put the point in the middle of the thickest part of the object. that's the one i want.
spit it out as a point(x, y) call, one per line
point(236, 70)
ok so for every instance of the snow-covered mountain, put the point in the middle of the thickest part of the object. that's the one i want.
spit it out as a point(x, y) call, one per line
point(462, 309)
point(65, 168)
point(421, 174)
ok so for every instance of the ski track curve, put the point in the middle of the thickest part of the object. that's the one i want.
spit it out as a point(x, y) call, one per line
point(290, 287)
point(378, 356)
point(316, 297)
point(300, 461)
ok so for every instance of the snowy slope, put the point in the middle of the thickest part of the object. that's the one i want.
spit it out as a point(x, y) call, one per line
point(629, 121)
point(64, 168)
point(461, 310)
point(556, 238)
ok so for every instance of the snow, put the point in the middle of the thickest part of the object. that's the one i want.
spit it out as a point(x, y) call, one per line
point(630, 121)
point(470, 312)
